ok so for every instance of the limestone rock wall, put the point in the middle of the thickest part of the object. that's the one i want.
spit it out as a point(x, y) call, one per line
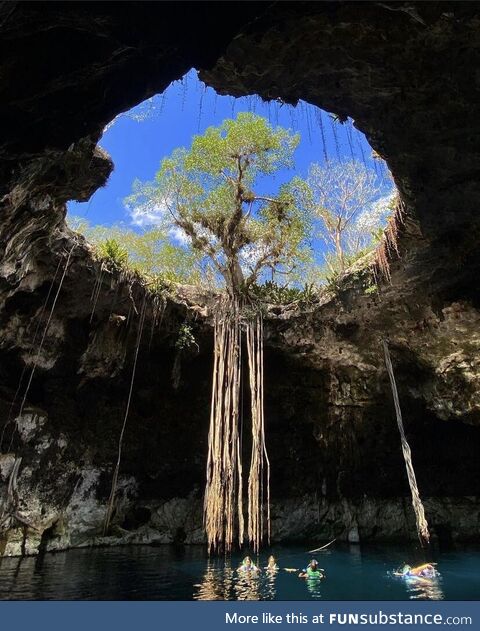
point(407, 73)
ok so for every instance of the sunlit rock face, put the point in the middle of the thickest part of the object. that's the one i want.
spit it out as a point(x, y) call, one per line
point(407, 75)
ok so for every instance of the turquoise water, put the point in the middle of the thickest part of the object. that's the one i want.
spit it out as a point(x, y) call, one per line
point(168, 573)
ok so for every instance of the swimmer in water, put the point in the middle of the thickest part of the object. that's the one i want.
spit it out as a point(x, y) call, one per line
point(312, 571)
point(427, 570)
point(271, 565)
point(248, 566)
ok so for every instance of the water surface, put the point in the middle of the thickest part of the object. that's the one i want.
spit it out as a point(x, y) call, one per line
point(168, 573)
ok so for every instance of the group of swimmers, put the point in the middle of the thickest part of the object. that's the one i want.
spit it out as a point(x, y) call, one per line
point(425, 571)
point(311, 571)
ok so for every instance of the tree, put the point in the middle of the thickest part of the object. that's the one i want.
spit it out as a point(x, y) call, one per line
point(208, 193)
point(338, 195)
point(211, 193)
point(151, 252)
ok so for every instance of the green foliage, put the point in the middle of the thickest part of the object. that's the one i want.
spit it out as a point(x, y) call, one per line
point(207, 193)
point(150, 253)
point(113, 252)
point(333, 280)
point(274, 293)
point(346, 205)
point(185, 338)
point(371, 289)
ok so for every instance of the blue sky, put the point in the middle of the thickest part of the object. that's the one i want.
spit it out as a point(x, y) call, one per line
point(138, 140)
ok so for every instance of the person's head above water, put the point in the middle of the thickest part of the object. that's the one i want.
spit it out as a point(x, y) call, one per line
point(313, 564)
point(247, 561)
point(406, 568)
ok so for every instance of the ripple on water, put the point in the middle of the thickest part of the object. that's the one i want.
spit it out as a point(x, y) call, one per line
point(166, 573)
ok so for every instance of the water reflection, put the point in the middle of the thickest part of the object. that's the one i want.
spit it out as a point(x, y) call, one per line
point(149, 573)
point(217, 583)
point(247, 586)
point(270, 584)
point(313, 586)
point(222, 582)
point(419, 588)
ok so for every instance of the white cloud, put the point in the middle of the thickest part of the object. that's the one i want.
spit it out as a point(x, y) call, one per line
point(177, 234)
point(151, 213)
point(375, 215)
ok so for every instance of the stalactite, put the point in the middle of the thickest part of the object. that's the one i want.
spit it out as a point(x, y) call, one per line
point(422, 525)
point(111, 499)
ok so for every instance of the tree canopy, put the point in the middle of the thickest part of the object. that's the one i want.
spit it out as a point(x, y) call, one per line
point(149, 252)
point(214, 218)
point(210, 192)
point(344, 200)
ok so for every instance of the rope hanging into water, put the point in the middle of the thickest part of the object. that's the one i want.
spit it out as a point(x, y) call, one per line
point(422, 525)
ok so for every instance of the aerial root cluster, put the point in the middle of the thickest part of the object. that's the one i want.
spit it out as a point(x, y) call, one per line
point(223, 505)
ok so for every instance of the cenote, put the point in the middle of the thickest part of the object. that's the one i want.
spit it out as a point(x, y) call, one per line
point(171, 573)
point(239, 303)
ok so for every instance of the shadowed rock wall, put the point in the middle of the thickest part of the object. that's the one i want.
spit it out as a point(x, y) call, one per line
point(407, 73)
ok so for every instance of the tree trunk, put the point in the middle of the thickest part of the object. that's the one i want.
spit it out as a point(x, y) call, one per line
point(236, 279)
point(339, 249)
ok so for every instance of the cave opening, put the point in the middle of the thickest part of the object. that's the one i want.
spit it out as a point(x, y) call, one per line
point(322, 365)
point(364, 201)
point(139, 138)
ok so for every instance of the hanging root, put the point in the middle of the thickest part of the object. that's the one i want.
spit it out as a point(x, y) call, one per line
point(389, 243)
point(259, 457)
point(96, 291)
point(223, 492)
point(223, 504)
point(42, 340)
point(24, 370)
point(422, 525)
point(111, 499)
